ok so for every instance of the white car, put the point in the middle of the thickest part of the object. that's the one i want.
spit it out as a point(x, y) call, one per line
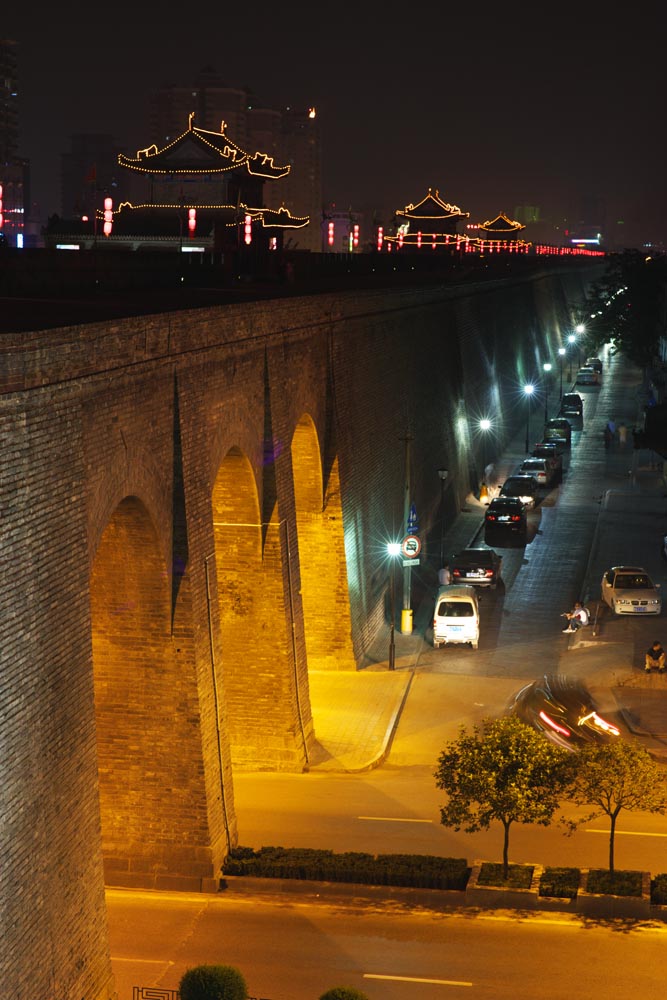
point(629, 590)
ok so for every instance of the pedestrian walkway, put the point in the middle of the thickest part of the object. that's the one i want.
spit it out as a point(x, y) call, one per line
point(356, 714)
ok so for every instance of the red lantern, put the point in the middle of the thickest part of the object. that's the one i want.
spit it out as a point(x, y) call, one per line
point(108, 216)
point(192, 220)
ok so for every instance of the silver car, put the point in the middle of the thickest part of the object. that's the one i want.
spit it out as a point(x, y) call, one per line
point(629, 590)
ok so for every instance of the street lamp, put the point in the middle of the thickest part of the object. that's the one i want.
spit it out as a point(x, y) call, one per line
point(529, 390)
point(547, 369)
point(393, 550)
point(561, 352)
point(485, 426)
point(571, 340)
point(443, 473)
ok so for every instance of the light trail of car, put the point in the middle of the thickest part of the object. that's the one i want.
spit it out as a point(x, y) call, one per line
point(416, 979)
point(627, 833)
point(394, 819)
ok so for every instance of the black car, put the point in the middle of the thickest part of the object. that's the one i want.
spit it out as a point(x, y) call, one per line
point(479, 567)
point(571, 405)
point(525, 488)
point(563, 709)
point(558, 428)
point(506, 515)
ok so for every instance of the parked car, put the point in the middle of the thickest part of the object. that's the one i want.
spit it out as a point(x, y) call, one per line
point(563, 710)
point(551, 451)
point(629, 590)
point(456, 616)
point(542, 469)
point(557, 447)
point(571, 405)
point(594, 363)
point(587, 376)
point(525, 488)
point(558, 427)
point(478, 567)
point(505, 515)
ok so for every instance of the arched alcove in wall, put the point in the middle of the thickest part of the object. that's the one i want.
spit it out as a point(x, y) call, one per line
point(269, 721)
point(153, 805)
point(324, 590)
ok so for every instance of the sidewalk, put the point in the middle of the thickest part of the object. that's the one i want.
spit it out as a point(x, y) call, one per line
point(356, 715)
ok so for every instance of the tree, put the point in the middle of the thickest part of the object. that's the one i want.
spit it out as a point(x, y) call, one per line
point(616, 776)
point(213, 982)
point(504, 771)
point(343, 993)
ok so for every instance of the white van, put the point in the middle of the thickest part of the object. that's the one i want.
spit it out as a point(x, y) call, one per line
point(456, 616)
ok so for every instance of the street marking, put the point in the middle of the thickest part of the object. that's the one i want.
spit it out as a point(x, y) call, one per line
point(394, 819)
point(629, 833)
point(415, 979)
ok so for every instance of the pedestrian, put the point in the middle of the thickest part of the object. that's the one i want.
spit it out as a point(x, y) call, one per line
point(577, 617)
point(655, 658)
point(611, 424)
point(622, 435)
point(444, 576)
point(608, 438)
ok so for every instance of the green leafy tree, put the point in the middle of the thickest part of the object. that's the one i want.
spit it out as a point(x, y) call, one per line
point(343, 993)
point(213, 982)
point(612, 777)
point(504, 771)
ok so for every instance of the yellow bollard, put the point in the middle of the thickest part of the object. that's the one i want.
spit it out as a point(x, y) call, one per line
point(483, 494)
point(406, 621)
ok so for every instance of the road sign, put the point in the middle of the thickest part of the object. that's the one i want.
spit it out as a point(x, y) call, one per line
point(411, 562)
point(411, 546)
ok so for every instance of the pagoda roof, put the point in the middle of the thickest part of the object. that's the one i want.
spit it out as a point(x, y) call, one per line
point(502, 225)
point(162, 218)
point(432, 207)
point(199, 151)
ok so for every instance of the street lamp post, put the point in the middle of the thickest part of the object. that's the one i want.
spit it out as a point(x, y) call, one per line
point(547, 375)
point(571, 340)
point(443, 473)
point(529, 390)
point(393, 549)
point(561, 352)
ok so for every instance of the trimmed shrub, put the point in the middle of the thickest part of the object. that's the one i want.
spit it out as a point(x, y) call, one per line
point(213, 982)
point(562, 883)
point(659, 890)
point(616, 883)
point(343, 993)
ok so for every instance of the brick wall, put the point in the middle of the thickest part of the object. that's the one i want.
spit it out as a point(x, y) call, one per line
point(195, 508)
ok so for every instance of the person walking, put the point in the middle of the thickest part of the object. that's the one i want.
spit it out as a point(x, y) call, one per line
point(655, 658)
point(622, 436)
point(444, 576)
point(608, 438)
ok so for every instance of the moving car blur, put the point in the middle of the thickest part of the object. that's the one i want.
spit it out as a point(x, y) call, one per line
point(563, 710)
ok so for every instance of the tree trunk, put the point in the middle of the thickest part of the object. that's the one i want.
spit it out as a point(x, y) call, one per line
point(506, 843)
point(612, 829)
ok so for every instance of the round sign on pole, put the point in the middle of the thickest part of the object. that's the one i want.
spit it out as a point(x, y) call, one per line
point(411, 546)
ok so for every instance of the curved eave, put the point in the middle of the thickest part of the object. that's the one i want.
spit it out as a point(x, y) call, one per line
point(455, 214)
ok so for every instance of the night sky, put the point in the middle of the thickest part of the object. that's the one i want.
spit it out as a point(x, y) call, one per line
point(493, 105)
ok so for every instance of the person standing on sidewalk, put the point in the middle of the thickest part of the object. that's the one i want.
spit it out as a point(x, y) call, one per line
point(444, 576)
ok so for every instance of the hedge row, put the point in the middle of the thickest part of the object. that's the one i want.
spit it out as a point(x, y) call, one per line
point(419, 871)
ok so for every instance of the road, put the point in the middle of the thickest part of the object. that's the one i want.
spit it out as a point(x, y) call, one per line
point(296, 948)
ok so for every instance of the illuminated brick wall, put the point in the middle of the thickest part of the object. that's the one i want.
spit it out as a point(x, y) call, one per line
point(195, 508)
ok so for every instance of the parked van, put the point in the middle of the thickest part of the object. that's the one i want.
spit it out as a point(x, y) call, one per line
point(456, 616)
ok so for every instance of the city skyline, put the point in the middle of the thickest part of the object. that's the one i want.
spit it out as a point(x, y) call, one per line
point(491, 111)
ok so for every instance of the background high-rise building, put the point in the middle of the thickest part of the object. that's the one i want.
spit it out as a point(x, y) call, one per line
point(291, 136)
point(14, 171)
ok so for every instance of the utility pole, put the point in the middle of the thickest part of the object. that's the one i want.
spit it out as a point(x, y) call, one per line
point(406, 614)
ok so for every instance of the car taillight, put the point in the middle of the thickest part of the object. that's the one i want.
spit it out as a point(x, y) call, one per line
point(516, 517)
point(456, 572)
point(490, 517)
point(488, 572)
point(554, 725)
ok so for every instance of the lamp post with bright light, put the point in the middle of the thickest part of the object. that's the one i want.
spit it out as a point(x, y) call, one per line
point(393, 551)
point(561, 352)
point(572, 339)
point(547, 375)
point(528, 390)
point(443, 473)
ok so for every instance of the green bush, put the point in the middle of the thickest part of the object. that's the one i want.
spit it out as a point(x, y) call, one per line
point(413, 870)
point(560, 882)
point(616, 883)
point(518, 876)
point(343, 993)
point(659, 890)
point(213, 982)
